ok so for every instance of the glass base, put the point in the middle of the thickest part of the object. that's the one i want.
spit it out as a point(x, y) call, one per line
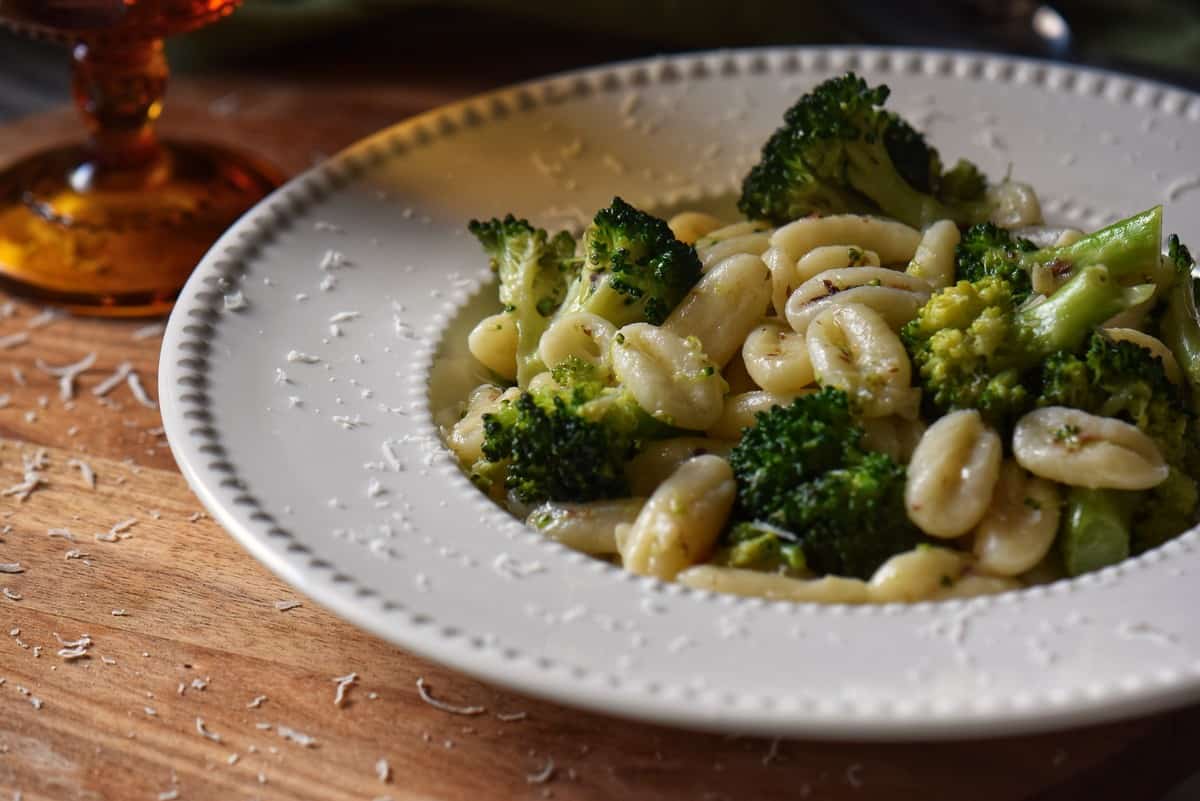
point(123, 242)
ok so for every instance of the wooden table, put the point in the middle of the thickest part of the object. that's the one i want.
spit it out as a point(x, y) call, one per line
point(194, 672)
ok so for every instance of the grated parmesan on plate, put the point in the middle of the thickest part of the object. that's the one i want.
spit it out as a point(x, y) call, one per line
point(428, 698)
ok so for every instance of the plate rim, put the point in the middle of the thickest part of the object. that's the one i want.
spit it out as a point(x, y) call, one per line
point(182, 362)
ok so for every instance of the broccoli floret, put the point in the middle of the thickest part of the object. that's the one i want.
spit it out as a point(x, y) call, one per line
point(1165, 511)
point(1129, 249)
point(567, 440)
point(1179, 326)
point(562, 444)
point(988, 249)
point(635, 270)
point(801, 468)
point(838, 151)
point(534, 270)
point(755, 545)
point(974, 347)
point(1124, 380)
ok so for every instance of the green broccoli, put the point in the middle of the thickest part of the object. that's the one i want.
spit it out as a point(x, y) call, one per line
point(1129, 249)
point(1095, 529)
point(534, 270)
point(761, 546)
point(1179, 326)
point(568, 440)
point(1124, 380)
point(801, 468)
point(974, 347)
point(839, 151)
point(550, 446)
point(1164, 512)
point(634, 270)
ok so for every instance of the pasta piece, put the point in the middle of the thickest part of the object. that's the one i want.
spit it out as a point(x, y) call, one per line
point(580, 334)
point(724, 306)
point(744, 237)
point(775, 587)
point(787, 274)
point(543, 381)
point(660, 458)
point(588, 527)
point(952, 474)
point(465, 437)
point(895, 436)
point(972, 586)
point(670, 377)
point(1014, 204)
point(1152, 344)
point(681, 521)
point(740, 410)
point(1083, 450)
point(917, 574)
point(853, 349)
point(894, 242)
point(935, 260)
point(493, 342)
point(689, 226)
point(833, 257)
point(776, 357)
point(1020, 524)
point(896, 296)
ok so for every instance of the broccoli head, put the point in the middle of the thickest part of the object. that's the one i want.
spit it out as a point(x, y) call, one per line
point(1124, 380)
point(801, 469)
point(634, 270)
point(754, 545)
point(534, 270)
point(987, 249)
point(1179, 325)
point(839, 151)
point(560, 444)
point(1129, 248)
point(1165, 512)
point(973, 346)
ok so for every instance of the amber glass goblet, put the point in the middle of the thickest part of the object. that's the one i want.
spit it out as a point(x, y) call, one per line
point(113, 226)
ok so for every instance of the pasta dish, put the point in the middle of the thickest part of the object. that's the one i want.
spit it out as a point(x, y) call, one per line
point(889, 382)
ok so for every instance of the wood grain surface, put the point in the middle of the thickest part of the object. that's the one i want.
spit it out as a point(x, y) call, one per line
point(185, 630)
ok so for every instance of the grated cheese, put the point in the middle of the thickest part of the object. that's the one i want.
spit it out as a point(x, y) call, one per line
point(235, 301)
point(60, 533)
point(11, 595)
point(469, 711)
point(542, 776)
point(297, 737)
point(344, 683)
point(109, 384)
point(139, 392)
point(148, 331)
point(11, 567)
point(85, 470)
point(383, 771)
point(256, 702)
point(284, 606)
point(67, 374)
point(296, 356)
point(203, 731)
point(13, 340)
point(510, 717)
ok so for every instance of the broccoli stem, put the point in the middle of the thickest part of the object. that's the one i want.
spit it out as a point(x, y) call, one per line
point(1096, 529)
point(1180, 330)
point(1129, 248)
point(874, 175)
point(1065, 319)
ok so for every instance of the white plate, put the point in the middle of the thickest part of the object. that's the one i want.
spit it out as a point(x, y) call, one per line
point(413, 553)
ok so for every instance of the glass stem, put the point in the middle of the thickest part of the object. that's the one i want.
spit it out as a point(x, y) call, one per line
point(118, 87)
